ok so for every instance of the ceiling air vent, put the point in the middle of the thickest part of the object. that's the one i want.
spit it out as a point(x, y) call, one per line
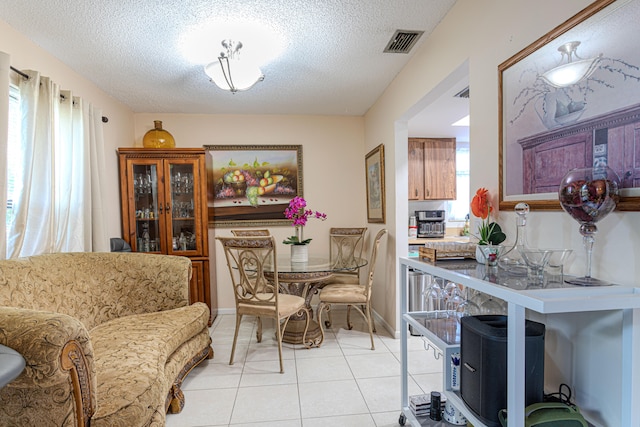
point(402, 41)
point(464, 93)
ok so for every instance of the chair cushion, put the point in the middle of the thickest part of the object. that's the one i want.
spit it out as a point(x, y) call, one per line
point(343, 293)
point(287, 305)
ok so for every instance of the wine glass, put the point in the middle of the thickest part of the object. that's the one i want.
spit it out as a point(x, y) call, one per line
point(491, 305)
point(536, 260)
point(454, 300)
point(555, 266)
point(434, 296)
point(468, 306)
point(588, 195)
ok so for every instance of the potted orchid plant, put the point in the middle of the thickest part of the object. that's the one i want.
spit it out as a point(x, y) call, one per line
point(298, 213)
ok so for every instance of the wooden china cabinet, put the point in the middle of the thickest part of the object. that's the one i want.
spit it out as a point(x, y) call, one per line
point(164, 209)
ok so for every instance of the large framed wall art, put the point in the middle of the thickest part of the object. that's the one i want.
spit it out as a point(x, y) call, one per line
point(251, 185)
point(572, 99)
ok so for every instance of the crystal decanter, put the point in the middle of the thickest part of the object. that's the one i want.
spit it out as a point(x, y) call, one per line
point(512, 261)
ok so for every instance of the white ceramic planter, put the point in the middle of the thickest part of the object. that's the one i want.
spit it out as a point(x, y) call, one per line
point(299, 253)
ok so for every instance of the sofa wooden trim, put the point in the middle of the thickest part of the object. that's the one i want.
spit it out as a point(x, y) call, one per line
point(175, 399)
point(72, 359)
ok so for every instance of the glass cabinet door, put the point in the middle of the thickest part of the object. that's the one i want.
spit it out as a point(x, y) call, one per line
point(147, 197)
point(183, 206)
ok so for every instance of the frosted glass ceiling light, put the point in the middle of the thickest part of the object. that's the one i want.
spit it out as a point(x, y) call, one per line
point(229, 73)
point(573, 71)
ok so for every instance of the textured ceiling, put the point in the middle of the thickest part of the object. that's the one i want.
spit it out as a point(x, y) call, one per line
point(150, 54)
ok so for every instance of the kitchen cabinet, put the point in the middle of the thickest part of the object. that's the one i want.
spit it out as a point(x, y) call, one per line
point(432, 168)
point(520, 300)
point(164, 209)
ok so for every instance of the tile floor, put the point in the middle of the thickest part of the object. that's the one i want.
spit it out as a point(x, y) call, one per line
point(341, 383)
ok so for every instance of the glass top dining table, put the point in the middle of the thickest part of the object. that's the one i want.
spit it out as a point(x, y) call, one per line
point(305, 279)
point(316, 264)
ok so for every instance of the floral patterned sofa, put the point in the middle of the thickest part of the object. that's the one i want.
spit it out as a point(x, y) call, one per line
point(107, 338)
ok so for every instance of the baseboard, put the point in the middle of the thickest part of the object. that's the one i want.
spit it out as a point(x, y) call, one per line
point(378, 319)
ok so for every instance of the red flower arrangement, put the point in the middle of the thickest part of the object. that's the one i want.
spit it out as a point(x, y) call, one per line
point(489, 232)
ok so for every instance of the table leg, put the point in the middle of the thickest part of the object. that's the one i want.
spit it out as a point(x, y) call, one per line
point(293, 333)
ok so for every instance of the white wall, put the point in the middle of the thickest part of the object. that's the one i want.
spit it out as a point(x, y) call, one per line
point(486, 33)
point(333, 165)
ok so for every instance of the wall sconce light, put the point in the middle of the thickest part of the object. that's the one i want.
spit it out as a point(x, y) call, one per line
point(573, 71)
point(229, 73)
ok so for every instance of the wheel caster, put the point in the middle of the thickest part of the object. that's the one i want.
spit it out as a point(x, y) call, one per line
point(402, 420)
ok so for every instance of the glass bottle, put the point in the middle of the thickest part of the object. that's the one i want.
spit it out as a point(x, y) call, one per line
point(146, 239)
point(158, 137)
point(512, 262)
point(466, 229)
point(183, 242)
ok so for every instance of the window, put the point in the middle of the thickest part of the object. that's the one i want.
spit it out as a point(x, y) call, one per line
point(458, 209)
point(53, 203)
point(14, 155)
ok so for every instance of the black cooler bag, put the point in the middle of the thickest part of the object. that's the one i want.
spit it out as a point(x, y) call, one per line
point(483, 373)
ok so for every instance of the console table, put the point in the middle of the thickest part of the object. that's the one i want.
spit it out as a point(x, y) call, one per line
point(566, 299)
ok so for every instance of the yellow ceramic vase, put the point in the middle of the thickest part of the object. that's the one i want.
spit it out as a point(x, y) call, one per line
point(158, 137)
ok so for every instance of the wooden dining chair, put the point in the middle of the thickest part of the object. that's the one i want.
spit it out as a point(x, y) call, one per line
point(345, 244)
point(250, 232)
point(256, 293)
point(352, 294)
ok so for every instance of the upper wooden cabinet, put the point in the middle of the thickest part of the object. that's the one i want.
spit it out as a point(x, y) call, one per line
point(164, 208)
point(432, 168)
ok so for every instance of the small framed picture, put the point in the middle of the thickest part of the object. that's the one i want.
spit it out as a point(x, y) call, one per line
point(374, 170)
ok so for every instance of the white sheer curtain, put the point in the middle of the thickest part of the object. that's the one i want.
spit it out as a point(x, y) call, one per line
point(59, 207)
point(4, 135)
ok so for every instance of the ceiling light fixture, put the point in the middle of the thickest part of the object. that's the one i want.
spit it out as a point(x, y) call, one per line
point(244, 76)
point(573, 71)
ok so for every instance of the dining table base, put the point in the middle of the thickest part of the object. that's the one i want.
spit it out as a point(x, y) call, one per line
point(294, 333)
point(305, 285)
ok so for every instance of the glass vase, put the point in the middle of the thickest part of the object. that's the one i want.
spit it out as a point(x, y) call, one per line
point(588, 195)
point(158, 137)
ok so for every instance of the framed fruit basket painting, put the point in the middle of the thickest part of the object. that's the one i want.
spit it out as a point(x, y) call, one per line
point(251, 185)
